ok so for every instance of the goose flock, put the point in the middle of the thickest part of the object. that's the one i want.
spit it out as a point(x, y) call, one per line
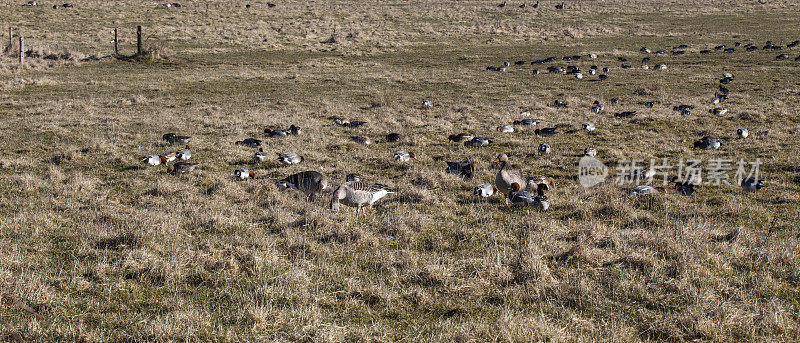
point(512, 185)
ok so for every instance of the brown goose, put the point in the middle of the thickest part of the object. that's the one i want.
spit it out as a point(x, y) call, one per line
point(309, 182)
point(505, 178)
point(359, 195)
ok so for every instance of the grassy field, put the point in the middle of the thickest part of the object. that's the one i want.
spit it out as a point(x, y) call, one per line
point(96, 246)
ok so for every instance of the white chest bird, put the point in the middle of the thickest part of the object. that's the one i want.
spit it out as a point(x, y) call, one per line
point(260, 156)
point(243, 173)
point(184, 154)
point(404, 156)
point(484, 190)
point(505, 128)
point(153, 160)
point(289, 158)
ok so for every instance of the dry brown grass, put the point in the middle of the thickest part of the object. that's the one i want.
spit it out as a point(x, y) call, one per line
point(102, 248)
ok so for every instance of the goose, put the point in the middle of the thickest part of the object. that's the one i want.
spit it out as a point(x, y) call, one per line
point(153, 160)
point(592, 71)
point(645, 190)
point(547, 131)
point(718, 111)
point(707, 143)
point(505, 128)
point(168, 157)
point(428, 103)
point(484, 190)
point(393, 137)
point(544, 149)
point(742, 132)
point(560, 104)
point(276, 132)
point(173, 138)
point(309, 182)
point(526, 122)
point(588, 126)
point(295, 130)
point(625, 114)
point(592, 56)
point(465, 169)
point(260, 156)
point(532, 183)
point(359, 195)
point(352, 177)
point(684, 187)
point(602, 77)
point(289, 158)
point(578, 76)
point(404, 156)
point(560, 6)
point(649, 104)
point(251, 142)
point(479, 142)
point(536, 5)
point(184, 154)
point(181, 168)
point(591, 152)
point(597, 107)
point(461, 137)
point(752, 184)
point(361, 140)
point(506, 177)
point(644, 50)
point(538, 201)
point(781, 57)
point(243, 173)
point(660, 67)
point(535, 72)
point(525, 113)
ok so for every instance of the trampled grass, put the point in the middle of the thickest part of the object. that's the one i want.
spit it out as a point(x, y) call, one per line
point(105, 248)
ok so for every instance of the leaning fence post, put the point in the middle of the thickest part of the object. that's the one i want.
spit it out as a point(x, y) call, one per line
point(116, 47)
point(139, 40)
point(21, 50)
point(10, 37)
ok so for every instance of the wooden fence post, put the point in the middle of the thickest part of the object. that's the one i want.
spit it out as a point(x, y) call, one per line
point(21, 50)
point(139, 40)
point(116, 46)
point(10, 37)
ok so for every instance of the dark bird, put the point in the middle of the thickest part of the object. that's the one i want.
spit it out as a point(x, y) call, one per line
point(465, 169)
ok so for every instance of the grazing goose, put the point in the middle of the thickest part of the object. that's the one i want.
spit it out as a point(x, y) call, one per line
point(428, 103)
point(645, 190)
point(602, 77)
point(533, 182)
point(742, 132)
point(547, 131)
point(243, 173)
point(168, 157)
point(707, 143)
point(592, 152)
point(359, 195)
point(393, 137)
point(295, 130)
point(181, 168)
point(538, 201)
point(752, 184)
point(718, 111)
point(465, 169)
point(588, 126)
point(173, 138)
point(260, 156)
point(506, 177)
point(660, 67)
point(625, 114)
point(349, 123)
point(184, 154)
point(153, 160)
point(404, 156)
point(362, 140)
point(309, 182)
point(276, 132)
point(544, 149)
point(289, 158)
point(505, 128)
point(479, 142)
point(525, 113)
point(685, 187)
point(484, 190)
point(461, 137)
point(597, 107)
point(560, 104)
point(251, 142)
point(527, 122)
